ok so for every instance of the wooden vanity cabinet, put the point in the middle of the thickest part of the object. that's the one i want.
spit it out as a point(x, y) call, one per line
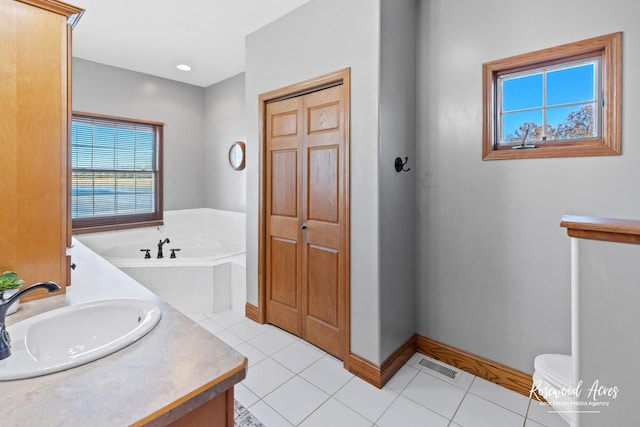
point(35, 107)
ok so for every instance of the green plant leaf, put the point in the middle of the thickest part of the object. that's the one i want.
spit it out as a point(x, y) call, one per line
point(10, 280)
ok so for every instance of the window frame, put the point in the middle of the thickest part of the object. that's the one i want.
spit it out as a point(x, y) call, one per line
point(608, 49)
point(545, 107)
point(120, 222)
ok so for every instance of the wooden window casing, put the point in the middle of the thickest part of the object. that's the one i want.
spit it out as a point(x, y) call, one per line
point(87, 166)
point(608, 49)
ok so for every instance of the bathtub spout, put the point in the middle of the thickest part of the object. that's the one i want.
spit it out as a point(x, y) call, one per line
point(160, 244)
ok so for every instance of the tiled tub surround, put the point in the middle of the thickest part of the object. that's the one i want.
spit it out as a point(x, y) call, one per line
point(292, 383)
point(175, 367)
point(208, 273)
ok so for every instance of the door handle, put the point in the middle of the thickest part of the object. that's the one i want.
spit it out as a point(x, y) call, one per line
point(304, 226)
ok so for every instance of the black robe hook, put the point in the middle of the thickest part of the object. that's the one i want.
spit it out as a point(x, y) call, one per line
point(400, 164)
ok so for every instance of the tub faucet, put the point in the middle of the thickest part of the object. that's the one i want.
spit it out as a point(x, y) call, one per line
point(5, 340)
point(160, 244)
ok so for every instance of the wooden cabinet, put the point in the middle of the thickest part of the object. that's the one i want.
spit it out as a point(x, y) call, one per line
point(35, 41)
point(217, 412)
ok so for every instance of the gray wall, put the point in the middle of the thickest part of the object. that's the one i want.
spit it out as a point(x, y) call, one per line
point(102, 89)
point(398, 36)
point(609, 343)
point(320, 37)
point(225, 122)
point(493, 263)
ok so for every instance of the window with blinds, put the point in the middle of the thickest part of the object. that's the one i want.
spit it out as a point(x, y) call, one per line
point(116, 172)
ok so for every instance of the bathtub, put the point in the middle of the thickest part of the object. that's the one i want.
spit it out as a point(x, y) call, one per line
point(208, 273)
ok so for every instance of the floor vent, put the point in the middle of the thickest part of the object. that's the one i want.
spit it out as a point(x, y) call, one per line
point(440, 369)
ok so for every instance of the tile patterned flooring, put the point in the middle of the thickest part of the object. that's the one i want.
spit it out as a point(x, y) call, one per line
point(292, 383)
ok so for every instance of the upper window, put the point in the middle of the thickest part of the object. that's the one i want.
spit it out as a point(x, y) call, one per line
point(116, 172)
point(558, 102)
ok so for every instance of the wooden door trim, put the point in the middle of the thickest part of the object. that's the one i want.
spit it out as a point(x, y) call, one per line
point(318, 83)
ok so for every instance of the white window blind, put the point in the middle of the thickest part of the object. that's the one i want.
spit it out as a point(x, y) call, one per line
point(116, 172)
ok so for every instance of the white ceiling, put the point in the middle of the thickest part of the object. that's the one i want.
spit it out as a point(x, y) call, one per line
point(153, 36)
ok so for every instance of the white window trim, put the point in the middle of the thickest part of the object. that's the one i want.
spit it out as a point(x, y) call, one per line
point(597, 99)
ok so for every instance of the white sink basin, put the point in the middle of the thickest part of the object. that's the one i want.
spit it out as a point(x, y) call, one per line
point(72, 336)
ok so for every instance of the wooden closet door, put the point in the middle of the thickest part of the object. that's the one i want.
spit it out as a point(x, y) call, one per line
point(323, 212)
point(305, 186)
point(283, 248)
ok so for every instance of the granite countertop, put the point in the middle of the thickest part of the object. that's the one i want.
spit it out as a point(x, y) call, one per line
point(174, 368)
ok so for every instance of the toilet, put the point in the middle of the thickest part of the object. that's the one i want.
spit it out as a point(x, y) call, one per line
point(553, 378)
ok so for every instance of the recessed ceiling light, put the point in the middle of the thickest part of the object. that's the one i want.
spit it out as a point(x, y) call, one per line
point(183, 67)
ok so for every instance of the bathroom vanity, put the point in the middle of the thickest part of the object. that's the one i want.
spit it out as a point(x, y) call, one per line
point(179, 374)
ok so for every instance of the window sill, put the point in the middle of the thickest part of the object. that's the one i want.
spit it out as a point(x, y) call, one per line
point(101, 228)
point(548, 150)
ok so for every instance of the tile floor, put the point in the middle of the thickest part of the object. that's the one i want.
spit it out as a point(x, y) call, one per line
point(292, 383)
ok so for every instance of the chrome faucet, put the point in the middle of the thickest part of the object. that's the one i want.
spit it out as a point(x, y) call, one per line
point(5, 340)
point(162, 242)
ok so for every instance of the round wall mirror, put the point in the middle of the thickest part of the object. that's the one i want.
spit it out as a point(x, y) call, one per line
point(236, 155)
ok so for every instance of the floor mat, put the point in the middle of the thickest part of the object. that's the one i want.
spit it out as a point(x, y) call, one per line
point(244, 418)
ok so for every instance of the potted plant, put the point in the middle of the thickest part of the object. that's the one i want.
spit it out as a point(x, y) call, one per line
point(10, 283)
